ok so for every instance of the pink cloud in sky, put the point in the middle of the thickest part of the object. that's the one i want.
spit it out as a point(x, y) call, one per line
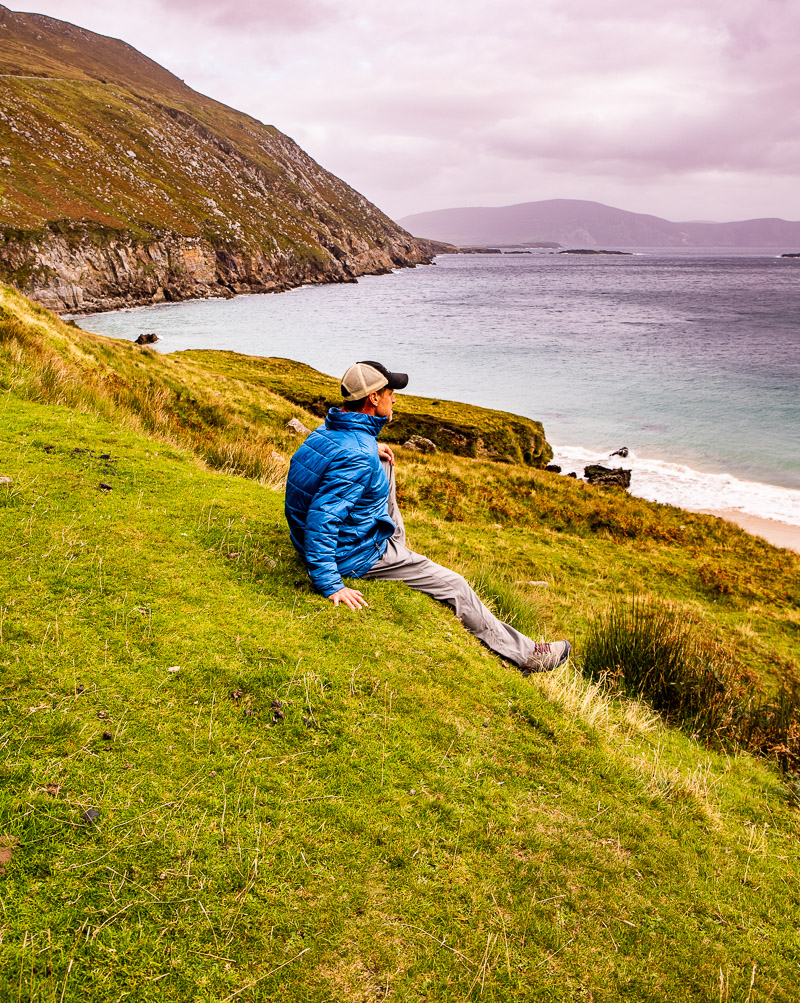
point(686, 109)
point(250, 15)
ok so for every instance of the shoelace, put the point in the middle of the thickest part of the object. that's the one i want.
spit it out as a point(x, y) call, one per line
point(541, 648)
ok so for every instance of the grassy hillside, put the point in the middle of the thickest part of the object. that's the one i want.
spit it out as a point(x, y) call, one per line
point(460, 429)
point(217, 786)
point(102, 147)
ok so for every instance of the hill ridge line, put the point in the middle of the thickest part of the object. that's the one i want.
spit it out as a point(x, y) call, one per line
point(581, 222)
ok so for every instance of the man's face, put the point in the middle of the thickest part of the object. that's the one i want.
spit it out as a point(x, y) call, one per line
point(385, 403)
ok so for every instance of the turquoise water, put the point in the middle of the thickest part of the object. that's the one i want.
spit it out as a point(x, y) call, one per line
point(691, 360)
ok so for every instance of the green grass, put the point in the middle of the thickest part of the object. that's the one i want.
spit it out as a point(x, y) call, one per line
point(422, 822)
point(457, 429)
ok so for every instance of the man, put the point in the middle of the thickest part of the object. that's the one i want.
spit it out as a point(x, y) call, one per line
point(344, 520)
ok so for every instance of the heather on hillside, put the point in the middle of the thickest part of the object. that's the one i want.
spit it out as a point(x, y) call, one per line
point(121, 184)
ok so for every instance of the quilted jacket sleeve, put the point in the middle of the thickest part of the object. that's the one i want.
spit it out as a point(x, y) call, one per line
point(341, 488)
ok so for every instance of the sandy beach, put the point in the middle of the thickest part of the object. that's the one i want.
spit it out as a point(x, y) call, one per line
point(779, 534)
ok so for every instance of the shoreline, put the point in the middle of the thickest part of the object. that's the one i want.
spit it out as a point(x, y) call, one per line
point(682, 482)
point(779, 534)
point(723, 495)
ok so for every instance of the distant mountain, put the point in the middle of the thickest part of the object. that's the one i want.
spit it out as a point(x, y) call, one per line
point(575, 223)
point(119, 184)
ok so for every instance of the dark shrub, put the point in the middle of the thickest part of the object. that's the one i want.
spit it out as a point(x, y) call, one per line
point(650, 649)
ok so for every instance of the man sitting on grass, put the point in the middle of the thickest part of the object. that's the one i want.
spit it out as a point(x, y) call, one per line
point(344, 520)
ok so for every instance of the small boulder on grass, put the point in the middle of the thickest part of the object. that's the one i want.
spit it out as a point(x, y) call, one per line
point(420, 443)
point(296, 426)
point(7, 846)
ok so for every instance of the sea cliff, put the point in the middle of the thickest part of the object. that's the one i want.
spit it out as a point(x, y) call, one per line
point(120, 185)
point(82, 269)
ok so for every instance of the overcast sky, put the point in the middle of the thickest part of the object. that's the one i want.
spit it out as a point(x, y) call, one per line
point(688, 109)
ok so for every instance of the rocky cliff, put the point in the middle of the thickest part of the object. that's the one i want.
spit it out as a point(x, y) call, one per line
point(120, 185)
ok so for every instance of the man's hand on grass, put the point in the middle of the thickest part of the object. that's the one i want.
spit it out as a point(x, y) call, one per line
point(350, 597)
point(385, 452)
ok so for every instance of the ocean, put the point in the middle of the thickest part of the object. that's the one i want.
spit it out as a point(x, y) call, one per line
point(689, 359)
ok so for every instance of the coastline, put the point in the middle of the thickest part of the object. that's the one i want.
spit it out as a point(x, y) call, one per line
point(779, 534)
point(769, 511)
point(293, 327)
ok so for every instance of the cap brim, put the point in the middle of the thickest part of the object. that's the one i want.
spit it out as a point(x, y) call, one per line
point(398, 381)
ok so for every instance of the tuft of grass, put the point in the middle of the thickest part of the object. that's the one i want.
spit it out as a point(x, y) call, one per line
point(501, 593)
point(769, 725)
point(651, 649)
point(258, 460)
point(647, 649)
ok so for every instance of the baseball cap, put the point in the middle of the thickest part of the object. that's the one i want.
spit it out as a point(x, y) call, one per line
point(363, 378)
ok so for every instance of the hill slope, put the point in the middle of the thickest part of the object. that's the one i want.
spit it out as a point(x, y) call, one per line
point(119, 184)
point(215, 785)
point(576, 223)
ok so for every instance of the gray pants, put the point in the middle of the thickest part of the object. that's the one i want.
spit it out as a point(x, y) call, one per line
point(401, 564)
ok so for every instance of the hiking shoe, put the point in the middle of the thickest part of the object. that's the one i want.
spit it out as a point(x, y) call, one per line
point(547, 656)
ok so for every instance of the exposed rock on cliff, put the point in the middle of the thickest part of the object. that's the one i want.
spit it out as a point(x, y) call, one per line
point(120, 185)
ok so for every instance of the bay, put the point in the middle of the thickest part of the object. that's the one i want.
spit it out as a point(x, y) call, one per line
point(690, 359)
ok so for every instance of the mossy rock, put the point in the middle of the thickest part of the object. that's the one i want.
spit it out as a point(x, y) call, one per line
point(462, 429)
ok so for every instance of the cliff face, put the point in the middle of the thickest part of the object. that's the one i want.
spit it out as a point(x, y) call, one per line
point(82, 270)
point(120, 185)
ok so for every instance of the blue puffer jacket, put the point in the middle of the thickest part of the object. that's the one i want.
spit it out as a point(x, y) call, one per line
point(336, 499)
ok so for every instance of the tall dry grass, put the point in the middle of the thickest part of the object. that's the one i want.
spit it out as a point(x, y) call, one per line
point(218, 438)
point(649, 649)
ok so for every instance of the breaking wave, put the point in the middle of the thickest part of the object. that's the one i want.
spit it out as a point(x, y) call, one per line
point(677, 484)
